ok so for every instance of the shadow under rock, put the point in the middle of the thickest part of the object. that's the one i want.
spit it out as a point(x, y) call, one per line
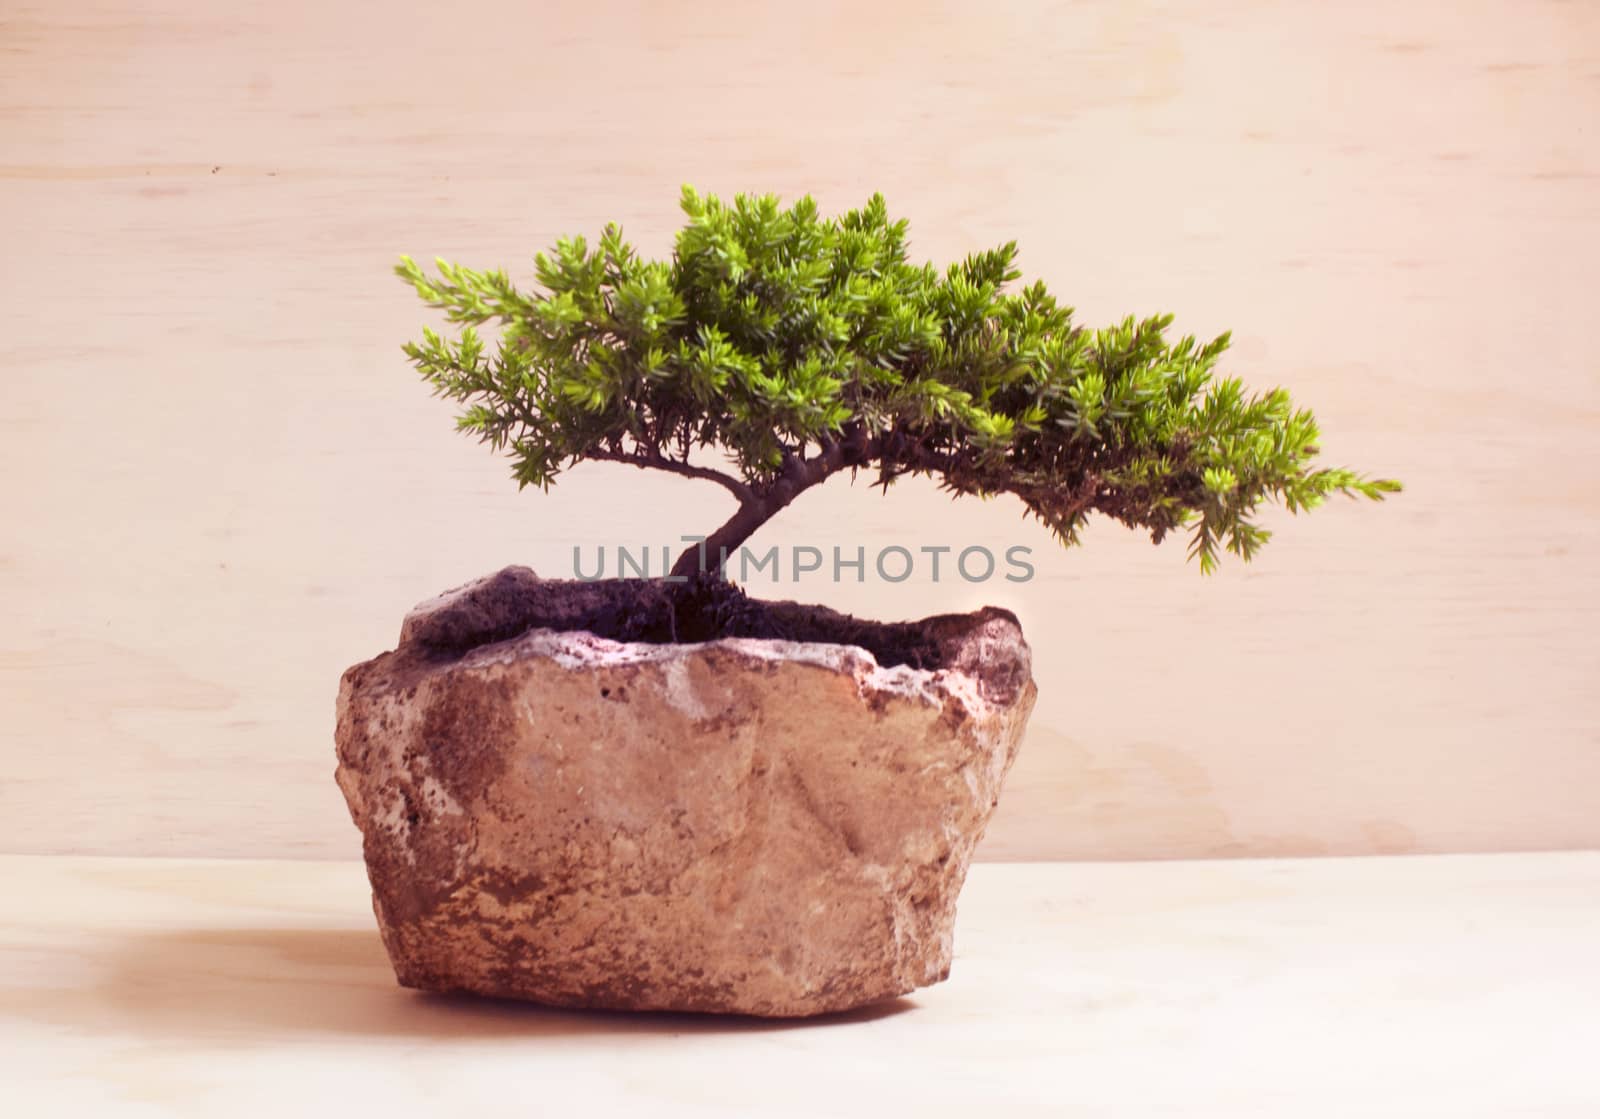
point(251, 984)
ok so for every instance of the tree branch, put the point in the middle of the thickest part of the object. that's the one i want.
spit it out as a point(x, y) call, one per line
point(728, 482)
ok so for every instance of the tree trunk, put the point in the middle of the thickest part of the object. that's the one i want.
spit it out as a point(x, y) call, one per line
point(798, 476)
point(734, 532)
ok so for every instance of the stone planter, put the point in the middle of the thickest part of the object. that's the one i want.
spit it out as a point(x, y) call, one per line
point(561, 803)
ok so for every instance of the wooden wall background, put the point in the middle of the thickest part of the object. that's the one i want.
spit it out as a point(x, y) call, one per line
point(222, 484)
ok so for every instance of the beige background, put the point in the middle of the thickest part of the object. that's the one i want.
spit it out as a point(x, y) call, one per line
point(222, 484)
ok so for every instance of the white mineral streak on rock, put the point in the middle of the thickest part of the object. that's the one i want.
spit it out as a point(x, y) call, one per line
point(680, 690)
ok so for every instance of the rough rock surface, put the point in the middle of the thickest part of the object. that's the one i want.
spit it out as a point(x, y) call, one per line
point(746, 825)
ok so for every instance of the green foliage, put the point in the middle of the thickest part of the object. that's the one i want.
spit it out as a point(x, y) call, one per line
point(798, 345)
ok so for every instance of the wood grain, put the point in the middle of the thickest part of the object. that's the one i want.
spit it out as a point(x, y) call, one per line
point(222, 484)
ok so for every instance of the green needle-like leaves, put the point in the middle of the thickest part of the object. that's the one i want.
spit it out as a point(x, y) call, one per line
point(799, 345)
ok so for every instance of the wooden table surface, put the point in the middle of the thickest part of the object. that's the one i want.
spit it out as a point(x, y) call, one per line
point(1449, 985)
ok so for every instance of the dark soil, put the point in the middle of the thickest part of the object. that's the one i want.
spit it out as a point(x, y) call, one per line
point(654, 611)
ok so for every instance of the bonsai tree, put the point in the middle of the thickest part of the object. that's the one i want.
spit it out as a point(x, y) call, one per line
point(799, 346)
